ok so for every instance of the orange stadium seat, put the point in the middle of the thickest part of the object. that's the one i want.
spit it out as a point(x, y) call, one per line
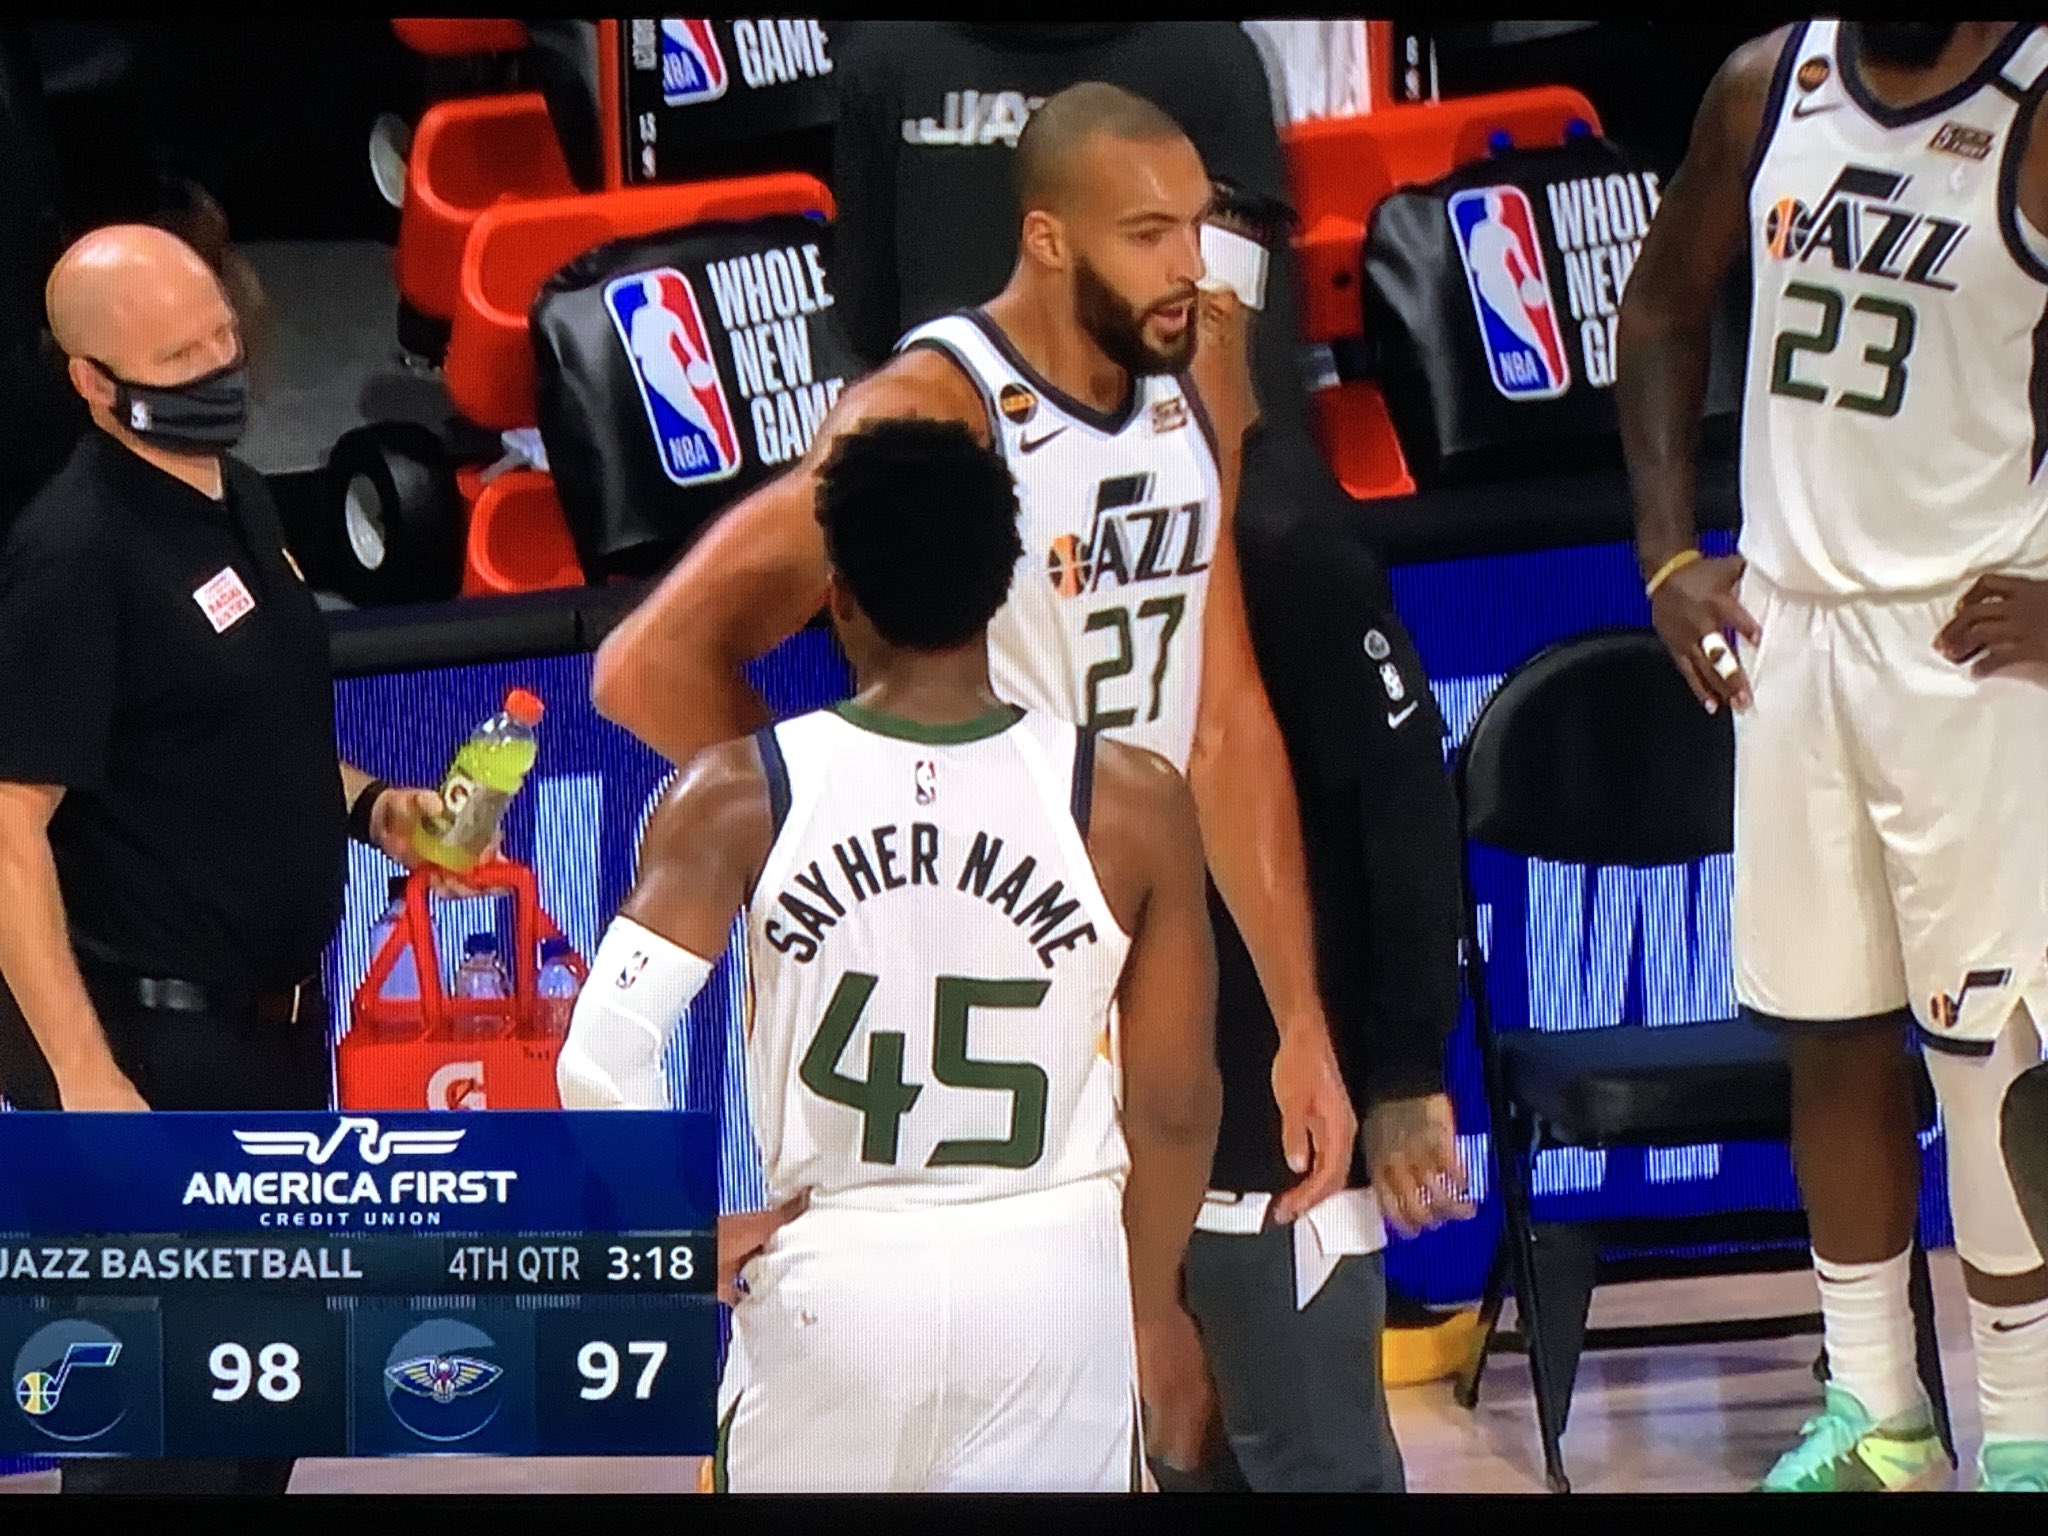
point(468, 155)
point(453, 37)
point(517, 539)
point(1338, 170)
point(516, 246)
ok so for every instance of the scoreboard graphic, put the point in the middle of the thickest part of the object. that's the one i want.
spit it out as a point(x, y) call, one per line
point(528, 1283)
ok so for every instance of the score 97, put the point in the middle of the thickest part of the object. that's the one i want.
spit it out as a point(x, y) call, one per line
point(274, 1372)
point(600, 1366)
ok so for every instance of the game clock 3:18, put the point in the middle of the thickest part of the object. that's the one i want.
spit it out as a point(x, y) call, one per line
point(657, 1262)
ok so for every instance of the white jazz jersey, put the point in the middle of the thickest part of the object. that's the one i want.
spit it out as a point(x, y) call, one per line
point(933, 965)
point(1897, 407)
point(1119, 521)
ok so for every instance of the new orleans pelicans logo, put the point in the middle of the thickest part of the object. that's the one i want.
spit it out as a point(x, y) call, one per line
point(1861, 225)
point(1129, 542)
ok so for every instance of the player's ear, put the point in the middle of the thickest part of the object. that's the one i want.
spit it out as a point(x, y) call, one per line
point(1044, 240)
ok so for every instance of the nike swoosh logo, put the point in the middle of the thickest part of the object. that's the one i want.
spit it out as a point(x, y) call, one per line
point(1808, 109)
point(1031, 445)
point(1396, 716)
point(2004, 1327)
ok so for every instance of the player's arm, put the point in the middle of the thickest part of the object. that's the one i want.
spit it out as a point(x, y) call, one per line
point(671, 671)
point(1664, 348)
point(37, 962)
point(1251, 825)
point(2003, 620)
point(704, 845)
point(1147, 843)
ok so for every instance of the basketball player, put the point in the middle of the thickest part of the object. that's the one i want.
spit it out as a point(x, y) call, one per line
point(943, 895)
point(1126, 615)
point(1889, 184)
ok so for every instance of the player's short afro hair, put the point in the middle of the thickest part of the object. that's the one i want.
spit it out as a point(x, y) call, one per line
point(920, 522)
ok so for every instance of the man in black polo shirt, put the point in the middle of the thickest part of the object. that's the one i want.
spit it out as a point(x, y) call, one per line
point(173, 814)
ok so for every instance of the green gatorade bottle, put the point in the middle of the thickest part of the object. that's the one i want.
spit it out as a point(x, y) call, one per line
point(481, 782)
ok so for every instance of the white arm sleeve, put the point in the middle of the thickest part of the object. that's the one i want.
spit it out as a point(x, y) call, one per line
point(639, 986)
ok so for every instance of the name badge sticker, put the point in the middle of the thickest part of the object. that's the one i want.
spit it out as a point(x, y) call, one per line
point(224, 600)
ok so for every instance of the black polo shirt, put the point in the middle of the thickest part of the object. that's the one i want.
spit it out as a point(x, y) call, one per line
point(203, 833)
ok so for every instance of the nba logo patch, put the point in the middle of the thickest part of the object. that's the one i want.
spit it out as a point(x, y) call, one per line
point(692, 68)
point(1496, 233)
point(925, 777)
point(669, 349)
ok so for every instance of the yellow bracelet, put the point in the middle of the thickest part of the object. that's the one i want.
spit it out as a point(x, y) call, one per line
point(1664, 572)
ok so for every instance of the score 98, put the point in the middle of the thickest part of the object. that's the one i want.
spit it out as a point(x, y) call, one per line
point(274, 1372)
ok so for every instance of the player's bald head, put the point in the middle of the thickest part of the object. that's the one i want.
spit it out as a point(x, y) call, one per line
point(1053, 151)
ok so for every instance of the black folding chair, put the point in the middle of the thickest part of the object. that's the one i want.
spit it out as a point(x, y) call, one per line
point(1594, 752)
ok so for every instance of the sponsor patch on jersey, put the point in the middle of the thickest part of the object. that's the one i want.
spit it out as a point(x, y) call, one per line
point(1497, 241)
point(1376, 645)
point(1961, 139)
point(669, 349)
point(1169, 415)
point(692, 68)
point(1017, 403)
point(1813, 74)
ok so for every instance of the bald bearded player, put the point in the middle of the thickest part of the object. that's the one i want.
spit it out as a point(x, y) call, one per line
point(1123, 431)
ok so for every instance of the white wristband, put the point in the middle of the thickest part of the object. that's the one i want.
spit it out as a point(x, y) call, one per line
point(639, 986)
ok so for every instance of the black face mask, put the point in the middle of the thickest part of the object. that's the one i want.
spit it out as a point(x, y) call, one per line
point(206, 414)
point(1907, 44)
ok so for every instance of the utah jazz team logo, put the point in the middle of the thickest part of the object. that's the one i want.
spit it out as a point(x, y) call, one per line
point(1860, 225)
point(65, 1381)
point(1129, 542)
point(1503, 256)
point(439, 1382)
point(692, 68)
point(669, 349)
point(1945, 1010)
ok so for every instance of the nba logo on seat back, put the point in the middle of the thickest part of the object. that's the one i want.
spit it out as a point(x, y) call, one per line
point(692, 69)
point(666, 342)
point(1497, 241)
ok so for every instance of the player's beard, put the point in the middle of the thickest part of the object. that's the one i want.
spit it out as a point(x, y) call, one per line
point(1907, 44)
point(1120, 330)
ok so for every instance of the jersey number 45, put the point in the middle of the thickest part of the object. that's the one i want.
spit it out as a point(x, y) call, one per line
point(883, 1097)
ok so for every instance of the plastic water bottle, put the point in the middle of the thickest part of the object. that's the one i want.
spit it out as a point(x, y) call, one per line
point(486, 774)
point(403, 984)
point(481, 977)
point(557, 987)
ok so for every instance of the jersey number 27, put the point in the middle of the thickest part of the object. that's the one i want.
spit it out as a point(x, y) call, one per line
point(883, 1097)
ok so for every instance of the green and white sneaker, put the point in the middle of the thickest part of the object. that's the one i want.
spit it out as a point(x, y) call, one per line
point(1844, 1451)
point(2013, 1466)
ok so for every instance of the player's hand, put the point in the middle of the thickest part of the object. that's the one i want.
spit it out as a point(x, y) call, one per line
point(2000, 621)
point(1317, 1123)
point(1173, 1389)
point(1698, 601)
point(1222, 367)
point(107, 1088)
point(1411, 1148)
point(398, 815)
point(744, 1234)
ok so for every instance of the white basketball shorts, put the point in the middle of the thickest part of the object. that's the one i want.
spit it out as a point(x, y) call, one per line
point(1891, 821)
point(981, 1346)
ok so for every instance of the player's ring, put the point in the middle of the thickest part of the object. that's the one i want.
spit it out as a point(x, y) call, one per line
point(1719, 657)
